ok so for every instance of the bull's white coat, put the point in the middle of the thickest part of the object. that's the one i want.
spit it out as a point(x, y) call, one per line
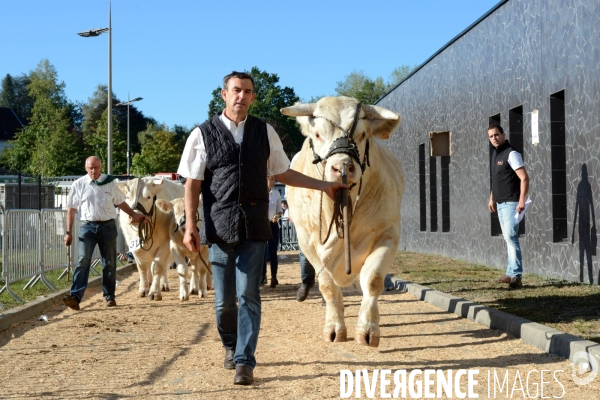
point(152, 263)
point(375, 229)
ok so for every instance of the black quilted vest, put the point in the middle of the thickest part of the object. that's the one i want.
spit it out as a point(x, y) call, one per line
point(235, 195)
point(506, 185)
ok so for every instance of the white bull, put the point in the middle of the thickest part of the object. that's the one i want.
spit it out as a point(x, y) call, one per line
point(154, 257)
point(201, 277)
point(375, 225)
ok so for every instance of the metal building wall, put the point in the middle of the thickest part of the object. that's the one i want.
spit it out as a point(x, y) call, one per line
point(520, 54)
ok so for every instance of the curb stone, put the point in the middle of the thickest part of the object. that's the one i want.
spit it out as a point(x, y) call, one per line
point(548, 339)
point(38, 306)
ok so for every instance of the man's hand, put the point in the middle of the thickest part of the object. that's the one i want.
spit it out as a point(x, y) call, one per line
point(521, 206)
point(68, 239)
point(191, 240)
point(332, 187)
point(492, 206)
point(137, 218)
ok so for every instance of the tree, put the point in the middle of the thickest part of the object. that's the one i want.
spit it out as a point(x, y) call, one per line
point(399, 74)
point(41, 147)
point(97, 144)
point(161, 152)
point(361, 87)
point(368, 90)
point(270, 98)
point(96, 106)
point(14, 94)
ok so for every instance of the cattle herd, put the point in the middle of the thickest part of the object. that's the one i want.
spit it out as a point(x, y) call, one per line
point(341, 134)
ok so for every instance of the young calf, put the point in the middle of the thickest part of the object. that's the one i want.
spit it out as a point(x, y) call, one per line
point(201, 270)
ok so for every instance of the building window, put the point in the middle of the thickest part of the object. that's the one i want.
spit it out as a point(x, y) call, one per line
point(433, 193)
point(515, 125)
point(422, 189)
point(559, 166)
point(496, 230)
point(445, 167)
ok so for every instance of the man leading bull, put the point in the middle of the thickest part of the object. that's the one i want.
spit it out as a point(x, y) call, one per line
point(226, 159)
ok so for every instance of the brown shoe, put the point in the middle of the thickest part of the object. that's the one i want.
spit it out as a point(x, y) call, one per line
point(243, 375)
point(228, 363)
point(111, 303)
point(515, 283)
point(302, 293)
point(504, 279)
point(71, 302)
point(274, 282)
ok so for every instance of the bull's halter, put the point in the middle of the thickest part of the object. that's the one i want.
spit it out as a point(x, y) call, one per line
point(145, 227)
point(344, 144)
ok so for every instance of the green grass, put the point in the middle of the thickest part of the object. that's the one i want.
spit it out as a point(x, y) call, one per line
point(32, 293)
point(568, 306)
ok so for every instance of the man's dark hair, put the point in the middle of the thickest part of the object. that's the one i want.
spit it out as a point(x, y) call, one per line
point(496, 126)
point(239, 75)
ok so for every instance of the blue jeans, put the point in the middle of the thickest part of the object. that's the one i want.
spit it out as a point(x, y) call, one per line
point(236, 270)
point(307, 271)
point(510, 230)
point(105, 236)
point(271, 251)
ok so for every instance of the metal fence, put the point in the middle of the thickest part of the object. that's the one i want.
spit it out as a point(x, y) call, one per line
point(289, 240)
point(33, 244)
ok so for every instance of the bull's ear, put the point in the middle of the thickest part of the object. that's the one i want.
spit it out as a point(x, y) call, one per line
point(299, 110)
point(164, 205)
point(381, 121)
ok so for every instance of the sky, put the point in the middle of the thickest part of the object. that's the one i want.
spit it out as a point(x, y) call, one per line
point(174, 53)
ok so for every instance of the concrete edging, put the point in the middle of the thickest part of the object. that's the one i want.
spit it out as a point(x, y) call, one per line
point(548, 339)
point(38, 306)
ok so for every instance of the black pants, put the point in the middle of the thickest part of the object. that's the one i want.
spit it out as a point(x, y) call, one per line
point(271, 251)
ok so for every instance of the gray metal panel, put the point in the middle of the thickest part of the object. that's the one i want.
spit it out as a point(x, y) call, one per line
point(523, 52)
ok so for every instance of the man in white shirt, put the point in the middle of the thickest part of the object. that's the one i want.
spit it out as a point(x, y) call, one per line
point(275, 212)
point(94, 196)
point(227, 159)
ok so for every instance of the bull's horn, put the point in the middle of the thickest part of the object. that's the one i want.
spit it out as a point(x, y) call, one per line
point(299, 110)
point(376, 112)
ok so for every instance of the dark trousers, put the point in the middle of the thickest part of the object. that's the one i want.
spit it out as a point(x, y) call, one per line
point(271, 251)
point(307, 271)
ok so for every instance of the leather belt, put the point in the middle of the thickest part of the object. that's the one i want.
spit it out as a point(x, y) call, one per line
point(98, 222)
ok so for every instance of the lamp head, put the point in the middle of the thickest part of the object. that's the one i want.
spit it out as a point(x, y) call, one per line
point(93, 32)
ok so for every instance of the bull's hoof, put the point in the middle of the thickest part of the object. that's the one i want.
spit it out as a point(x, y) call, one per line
point(142, 293)
point(203, 294)
point(156, 296)
point(165, 288)
point(209, 288)
point(184, 298)
point(365, 339)
point(339, 336)
point(194, 291)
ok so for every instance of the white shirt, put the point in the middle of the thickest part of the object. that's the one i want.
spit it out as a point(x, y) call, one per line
point(93, 202)
point(194, 157)
point(515, 160)
point(274, 203)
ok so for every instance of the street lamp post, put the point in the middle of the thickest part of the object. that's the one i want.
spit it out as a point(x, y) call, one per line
point(97, 32)
point(123, 104)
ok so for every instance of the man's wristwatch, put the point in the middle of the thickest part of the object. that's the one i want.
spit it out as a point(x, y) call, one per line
point(67, 232)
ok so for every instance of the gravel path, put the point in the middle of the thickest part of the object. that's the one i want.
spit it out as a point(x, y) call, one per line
point(171, 350)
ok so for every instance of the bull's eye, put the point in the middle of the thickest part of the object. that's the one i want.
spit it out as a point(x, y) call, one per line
point(363, 136)
point(317, 135)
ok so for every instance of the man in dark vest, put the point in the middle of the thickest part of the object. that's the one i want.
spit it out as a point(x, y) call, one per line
point(227, 159)
point(510, 184)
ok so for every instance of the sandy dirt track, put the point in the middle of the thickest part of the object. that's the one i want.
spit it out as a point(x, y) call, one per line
point(171, 350)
